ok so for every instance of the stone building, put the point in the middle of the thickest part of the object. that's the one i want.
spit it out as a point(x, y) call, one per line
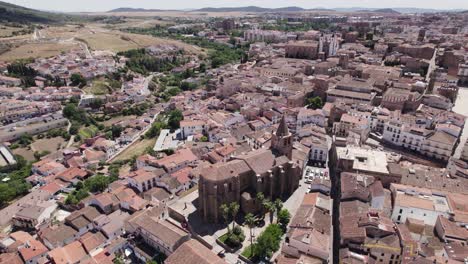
point(302, 50)
point(329, 45)
point(400, 99)
point(269, 171)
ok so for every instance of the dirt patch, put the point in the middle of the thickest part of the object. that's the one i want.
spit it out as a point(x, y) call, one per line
point(98, 88)
point(6, 31)
point(48, 144)
point(25, 153)
point(36, 50)
point(88, 132)
point(117, 41)
point(117, 119)
point(137, 149)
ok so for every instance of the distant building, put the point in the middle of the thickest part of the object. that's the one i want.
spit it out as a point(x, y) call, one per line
point(302, 50)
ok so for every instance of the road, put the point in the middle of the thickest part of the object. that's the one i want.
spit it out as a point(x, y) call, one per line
point(460, 108)
point(72, 138)
point(37, 35)
point(432, 65)
point(135, 140)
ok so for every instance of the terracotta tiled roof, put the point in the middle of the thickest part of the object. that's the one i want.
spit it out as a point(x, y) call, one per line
point(193, 251)
point(33, 249)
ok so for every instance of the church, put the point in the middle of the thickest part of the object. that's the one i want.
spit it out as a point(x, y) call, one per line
point(270, 171)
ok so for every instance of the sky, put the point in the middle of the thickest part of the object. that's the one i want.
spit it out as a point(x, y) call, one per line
point(106, 5)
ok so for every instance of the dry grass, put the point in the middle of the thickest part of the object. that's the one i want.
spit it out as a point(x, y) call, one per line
point(48, 144)
point(25, 153)
point(117, 119)
point(98, 88)
point(36, 50)
point(8, 31)
point(118, 41)
point(100, 38)
point(138, 23)
point(61, 39)
point(179, 14)
point(137, 149)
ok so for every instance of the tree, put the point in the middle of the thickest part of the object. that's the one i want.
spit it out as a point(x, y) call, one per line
point(97, 183)
point(72, 112)
point(6, 193)
point(74, 128)
point(260, 201)
point(25, 139)
point(250, 222)
point(20, 69)
point(226, 213)
point(202, 67)
point(118, 260)
point(38, 155)
point(268, 242)
point(314, 103)
point(270, 208)
point(78, 80)
point(116, 131)
point(71, 199)
point(175, 116)
point(278, 206)
point(283, 218)
point(96, 103)
point(155, 129)
point(234, 210)
point(204, 139)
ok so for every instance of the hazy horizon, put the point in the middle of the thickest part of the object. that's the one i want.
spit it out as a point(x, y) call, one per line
point(106, 5)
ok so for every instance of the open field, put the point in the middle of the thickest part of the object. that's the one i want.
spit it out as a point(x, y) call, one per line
point(137, 149)
point(118, 41)
point(99, 38)
point(88, 132)
point(54, 40)
point(6, 31)
point(179, 14)
point(25, 153)
point(117, 119)
point(98, 88)
point(48, 144)
point(36, 50)
point(138, 22)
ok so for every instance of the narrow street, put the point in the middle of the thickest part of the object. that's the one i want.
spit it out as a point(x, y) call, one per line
point(461, 108)
point(336, 196)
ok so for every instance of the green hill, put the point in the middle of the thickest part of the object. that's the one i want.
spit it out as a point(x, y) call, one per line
point(18, 14)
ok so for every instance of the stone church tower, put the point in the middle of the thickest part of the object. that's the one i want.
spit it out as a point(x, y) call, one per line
point(282, 140)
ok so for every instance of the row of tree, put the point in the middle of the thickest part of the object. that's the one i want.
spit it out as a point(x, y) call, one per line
point(93, 184)
point(13, 182)
point(268, 241)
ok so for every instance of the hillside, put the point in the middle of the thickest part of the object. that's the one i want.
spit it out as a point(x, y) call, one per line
point(257, 9)
point(131, 10)
point(386, 11)
point(252, 9)
point(18, 14)
point(401, 10)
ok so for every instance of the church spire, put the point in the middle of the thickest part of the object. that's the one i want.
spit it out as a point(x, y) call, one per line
point(282, 128)
point(281, 141)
